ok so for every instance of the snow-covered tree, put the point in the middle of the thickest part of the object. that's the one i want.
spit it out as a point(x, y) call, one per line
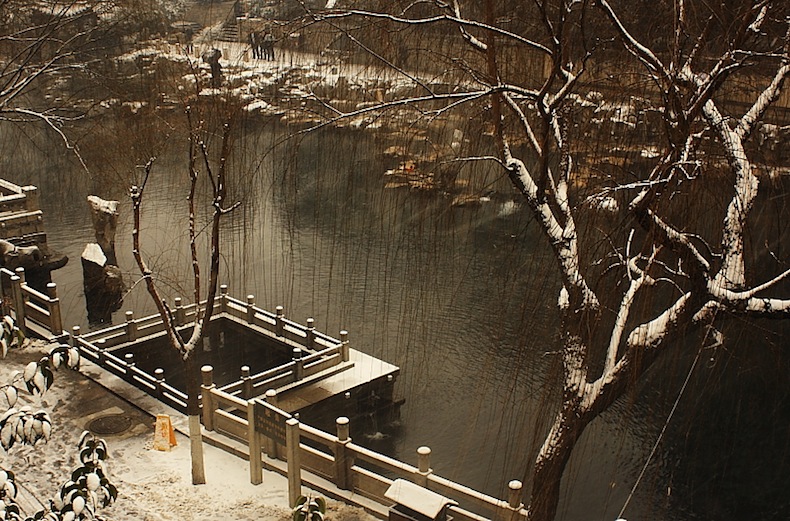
point(46, 45)
point(608, 106)
point(187, 341)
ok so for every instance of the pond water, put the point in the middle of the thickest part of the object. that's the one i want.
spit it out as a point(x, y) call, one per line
point(461, 298)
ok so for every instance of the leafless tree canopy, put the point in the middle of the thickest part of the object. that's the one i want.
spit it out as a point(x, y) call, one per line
point(667, 117)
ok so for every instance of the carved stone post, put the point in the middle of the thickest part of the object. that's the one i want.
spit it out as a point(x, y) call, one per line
point(55, 320)
point(246, 382)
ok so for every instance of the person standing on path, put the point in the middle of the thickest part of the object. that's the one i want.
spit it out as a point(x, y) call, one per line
point(268, 46)
point(254, 45)
point(212, 57)
point(189, 34)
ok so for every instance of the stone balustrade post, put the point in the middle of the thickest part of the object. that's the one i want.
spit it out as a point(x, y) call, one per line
point(208, 405)
point(101, 345)
point(181, 316)
point(278, 321)
point(55, 319)
point(19, 302)
point(511, 511)
point(423, 466)
point(251, 309)
point(75, 333)
point(293, 451)
point(131, 326)
point(159, 375)
point(342, 461)
point(270, 445)
point(223, 298)
point(298, 364)
point(246, 382)
point(254, 443)
point(345, 353)
point(309, 342)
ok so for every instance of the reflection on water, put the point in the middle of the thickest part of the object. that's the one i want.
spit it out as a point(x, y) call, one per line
point(462, 299)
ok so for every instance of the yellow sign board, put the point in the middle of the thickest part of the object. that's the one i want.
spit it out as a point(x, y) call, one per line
point(164, 434)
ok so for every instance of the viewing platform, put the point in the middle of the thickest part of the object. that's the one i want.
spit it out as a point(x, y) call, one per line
point(22, 225)
point(273, 354)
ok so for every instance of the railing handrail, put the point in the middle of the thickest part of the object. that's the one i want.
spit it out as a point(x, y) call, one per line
point(317, 356)
point(27, 304)
point(374, 466)
point(127, 370)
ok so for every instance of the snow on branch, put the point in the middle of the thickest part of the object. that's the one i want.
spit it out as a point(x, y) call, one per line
point(769, 307)
point(644, 54)
point(679, 241)
point(733, 270)
point(763, 101)
point(652, 333)
point(564, 239)
point(463, 22)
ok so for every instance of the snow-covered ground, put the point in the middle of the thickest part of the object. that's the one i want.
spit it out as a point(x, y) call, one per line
point(152, 485)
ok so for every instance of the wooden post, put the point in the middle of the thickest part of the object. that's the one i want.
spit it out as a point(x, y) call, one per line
point(294, 461)
point(269, 444)
point(250, 309)
point(278, 320)
point(254, 441)
point(131, 327)
point(55, 320)
point(246, 382)
point(342, 463)
point(180, 312)
point(159, 374)
point(19, 302)
point(298, 364)
point(129, 359)
point(345, 354)
point(423, 466)
point(310, 340)
point(207, 373)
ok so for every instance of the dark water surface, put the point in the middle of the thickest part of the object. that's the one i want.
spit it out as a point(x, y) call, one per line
point(462, 299)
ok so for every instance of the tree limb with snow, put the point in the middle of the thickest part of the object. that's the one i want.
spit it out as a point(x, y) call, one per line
point(533, 70)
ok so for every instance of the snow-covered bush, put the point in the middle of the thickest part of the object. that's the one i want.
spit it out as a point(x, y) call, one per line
point(88, 487)
point(309, 509)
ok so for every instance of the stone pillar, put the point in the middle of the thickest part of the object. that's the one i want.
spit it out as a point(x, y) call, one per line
point(104, 215)
point(102, 279)
point(102, 283)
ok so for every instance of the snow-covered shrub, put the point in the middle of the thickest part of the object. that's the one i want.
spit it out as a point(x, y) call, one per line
point(309, 509)
point(88, 487)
